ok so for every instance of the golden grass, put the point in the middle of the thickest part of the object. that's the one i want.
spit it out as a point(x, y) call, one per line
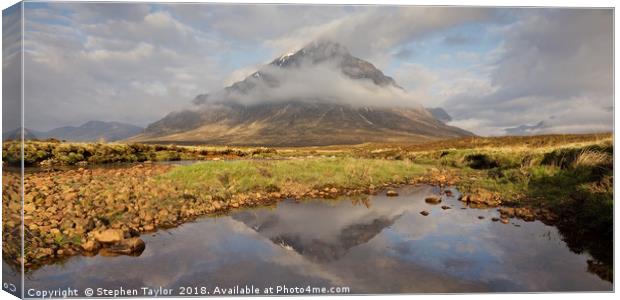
point(591, 158)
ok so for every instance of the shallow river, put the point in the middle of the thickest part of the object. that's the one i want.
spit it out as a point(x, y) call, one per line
point(377, 245)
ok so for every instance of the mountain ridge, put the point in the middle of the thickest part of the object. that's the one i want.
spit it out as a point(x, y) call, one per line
point(88, 132)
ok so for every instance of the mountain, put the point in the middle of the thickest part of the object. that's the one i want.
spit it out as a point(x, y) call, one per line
point(440, 114)
point(318, 95)
point(525, 129)
point(16, 134)
point(93, 131)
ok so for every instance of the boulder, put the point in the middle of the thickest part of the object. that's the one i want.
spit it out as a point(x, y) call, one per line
point(44, 252)
point(217, 205)
point(131, 246)
point(109, 236)
point(444, 207)
point(507, 212)
point(433, 199)
point(91, 246)
point(424, 213)
point(525, 213)
point(482, 198)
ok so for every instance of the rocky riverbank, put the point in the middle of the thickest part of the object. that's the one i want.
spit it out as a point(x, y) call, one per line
point(105, 210)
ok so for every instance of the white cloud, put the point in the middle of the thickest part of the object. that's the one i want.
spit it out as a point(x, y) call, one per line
point(240, 74)
point(323, 82)
point(134, 68)
point(372, 32)
point(554, 65)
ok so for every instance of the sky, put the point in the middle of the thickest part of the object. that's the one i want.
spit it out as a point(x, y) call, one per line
point(494, 70)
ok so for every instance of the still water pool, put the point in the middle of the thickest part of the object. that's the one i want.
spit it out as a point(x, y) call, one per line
point(374, 244)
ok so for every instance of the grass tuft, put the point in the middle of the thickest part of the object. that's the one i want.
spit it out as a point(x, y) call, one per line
point(591, 158)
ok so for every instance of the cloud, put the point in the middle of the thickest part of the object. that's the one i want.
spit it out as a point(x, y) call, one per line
point(274, 84)
point(557, 53)
point(404, 53)
point(94, 12)
point(458, 40)
point(256, 22)
point(240, 74)
point(134, 67)
point(420, 80)
point(368, 35)
point(436, 86)
point(553, 65)
point(11, 68)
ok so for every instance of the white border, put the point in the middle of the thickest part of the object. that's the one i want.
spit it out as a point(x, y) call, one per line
point(521, 3)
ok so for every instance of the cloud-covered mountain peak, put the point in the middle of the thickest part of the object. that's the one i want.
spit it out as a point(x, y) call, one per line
point(315, 52)
point(318, 95)
point(323, 71)
point(334, 54)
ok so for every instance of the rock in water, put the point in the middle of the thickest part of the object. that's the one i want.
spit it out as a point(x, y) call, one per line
point(424, 213)
point(391, 193)
point(433, 200)
point(109, 236)
point(91, 246)
point(445, 207)
point(525, 213)
point(482, 197)
point(131, 246)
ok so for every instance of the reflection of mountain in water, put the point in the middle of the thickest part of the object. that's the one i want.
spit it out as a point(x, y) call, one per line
point(321, 248)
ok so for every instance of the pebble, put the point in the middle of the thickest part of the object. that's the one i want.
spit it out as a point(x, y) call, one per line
point(433, 200)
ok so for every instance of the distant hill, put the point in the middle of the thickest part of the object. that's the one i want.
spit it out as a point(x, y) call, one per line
point(16, 134)
point(525, 129)
point(88, 132)
point(93, 131)
point(266, 108)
